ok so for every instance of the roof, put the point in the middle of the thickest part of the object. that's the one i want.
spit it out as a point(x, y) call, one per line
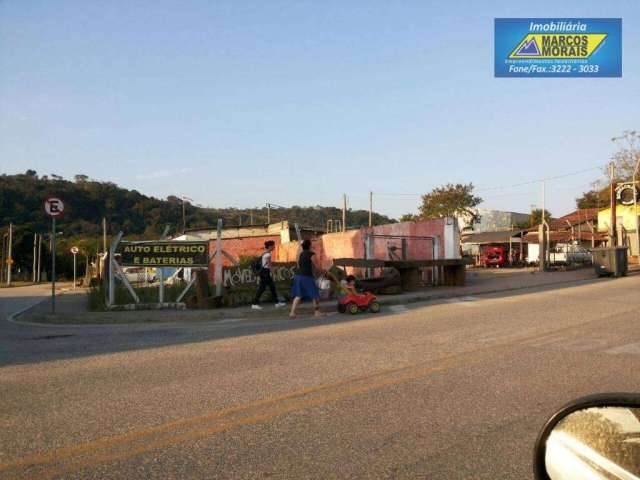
point(491, 237)
point(577, 217)
point(255, 230)
point(572, 219)
point(566, 236)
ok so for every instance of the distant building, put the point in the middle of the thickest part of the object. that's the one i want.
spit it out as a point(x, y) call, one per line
point(437, 238)
point(487, 220)
point(578, 228)
point(625, 225)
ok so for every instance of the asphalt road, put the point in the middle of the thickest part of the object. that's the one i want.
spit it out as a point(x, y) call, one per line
point(450, 390)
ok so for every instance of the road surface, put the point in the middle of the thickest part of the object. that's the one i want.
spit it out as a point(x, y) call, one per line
point(454, 389)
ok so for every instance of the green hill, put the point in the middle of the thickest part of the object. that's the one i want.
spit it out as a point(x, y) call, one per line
point(138, 216)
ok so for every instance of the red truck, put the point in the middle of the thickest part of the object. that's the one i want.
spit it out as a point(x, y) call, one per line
point(494, 256)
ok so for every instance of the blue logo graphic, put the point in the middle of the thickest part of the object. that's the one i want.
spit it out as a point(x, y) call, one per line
point(528, 48)
point(558, 47)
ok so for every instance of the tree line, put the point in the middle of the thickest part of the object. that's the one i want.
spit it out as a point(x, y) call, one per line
point(139, 216)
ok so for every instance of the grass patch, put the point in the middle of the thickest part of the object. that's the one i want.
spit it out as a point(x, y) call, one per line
point(97, 301)
point(16, 284)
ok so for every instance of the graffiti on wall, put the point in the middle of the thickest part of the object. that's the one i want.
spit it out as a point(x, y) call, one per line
point(238, 276)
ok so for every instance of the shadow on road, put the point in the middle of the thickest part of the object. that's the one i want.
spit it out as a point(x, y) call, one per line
point(23, 343)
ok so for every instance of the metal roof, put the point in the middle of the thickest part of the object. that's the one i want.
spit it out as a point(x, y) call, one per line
point(492, 237)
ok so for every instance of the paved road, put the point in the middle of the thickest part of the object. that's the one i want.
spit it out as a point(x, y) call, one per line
point(457, 389)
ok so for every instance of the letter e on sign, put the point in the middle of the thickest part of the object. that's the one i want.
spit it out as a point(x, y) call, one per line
point(53, 206)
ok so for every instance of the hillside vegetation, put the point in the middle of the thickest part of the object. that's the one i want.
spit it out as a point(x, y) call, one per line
point(138, 216)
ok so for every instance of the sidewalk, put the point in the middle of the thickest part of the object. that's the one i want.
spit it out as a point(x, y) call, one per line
point(71, 306)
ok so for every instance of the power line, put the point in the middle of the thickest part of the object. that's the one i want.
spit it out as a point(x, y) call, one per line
point(500, 187)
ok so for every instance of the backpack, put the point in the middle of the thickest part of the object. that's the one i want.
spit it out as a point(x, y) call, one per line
point(256, 265)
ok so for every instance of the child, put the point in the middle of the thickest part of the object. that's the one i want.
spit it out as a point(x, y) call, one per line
point(349, 286)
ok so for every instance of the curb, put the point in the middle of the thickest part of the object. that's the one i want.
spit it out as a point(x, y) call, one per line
point(484, 292)
point(12, 316)
point(214, 316)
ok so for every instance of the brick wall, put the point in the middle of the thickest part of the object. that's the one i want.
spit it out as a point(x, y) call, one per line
point(237, 247)
point(349, 244)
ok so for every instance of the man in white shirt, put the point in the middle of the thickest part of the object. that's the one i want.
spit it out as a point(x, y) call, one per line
point(266, 280)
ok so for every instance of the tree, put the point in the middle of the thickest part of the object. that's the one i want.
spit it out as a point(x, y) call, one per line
point(31, 173)
point(627, 156)
point(409, 217)
point(595, 198)
point(449, 201)
point(535, 217)
point(80, 178)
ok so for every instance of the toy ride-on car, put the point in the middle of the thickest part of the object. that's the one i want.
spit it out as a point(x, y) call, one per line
point(354, 303)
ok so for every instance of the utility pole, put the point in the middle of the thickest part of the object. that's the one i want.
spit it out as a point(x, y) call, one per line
point(35, 248)
point(104, 246)
point(184, 218)
point(613, 233)
point(3, 263)
point(635, 205)
point(344, 212)
point(10, 254)
point(542, 236)
point(104, 234)
point(268, 213)
point(370, 209)
point(510, 245)
point(251, 217)
point(53, 265)
point(579, 229)
point(39, 276)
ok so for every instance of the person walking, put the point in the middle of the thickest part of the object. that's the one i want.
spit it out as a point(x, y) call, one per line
point(266, 280)
point(304, 282)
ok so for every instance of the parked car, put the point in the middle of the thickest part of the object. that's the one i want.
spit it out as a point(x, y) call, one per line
point(139, 274)
point(494, 256)
point(566, 254)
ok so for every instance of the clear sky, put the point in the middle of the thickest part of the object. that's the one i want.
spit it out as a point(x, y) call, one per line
point(240, 103)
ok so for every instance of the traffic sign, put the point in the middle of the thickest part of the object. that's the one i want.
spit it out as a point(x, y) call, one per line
point(53, 206)
point(74, 250)
point(9, 261)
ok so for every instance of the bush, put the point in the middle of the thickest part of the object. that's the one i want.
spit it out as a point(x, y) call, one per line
point(98, 294)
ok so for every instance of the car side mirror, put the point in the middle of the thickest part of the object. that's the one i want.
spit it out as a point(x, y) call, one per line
point(595, 437)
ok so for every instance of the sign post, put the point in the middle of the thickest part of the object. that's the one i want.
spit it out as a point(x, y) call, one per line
point(54, 207)
point(10, 256)
point(75, 251)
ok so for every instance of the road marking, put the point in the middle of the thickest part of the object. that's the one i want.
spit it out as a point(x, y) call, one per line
point(630, 348)
point(464, 301)
point(398, 308)
point(65, 460)
point(603, 343)
point(52, 464)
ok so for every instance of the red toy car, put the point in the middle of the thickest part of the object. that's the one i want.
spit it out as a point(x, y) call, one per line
point(354, 303)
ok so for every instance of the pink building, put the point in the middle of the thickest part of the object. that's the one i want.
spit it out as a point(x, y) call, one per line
point(430, 239)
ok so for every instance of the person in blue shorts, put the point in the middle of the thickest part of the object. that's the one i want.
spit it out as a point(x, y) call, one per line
point(304, 282)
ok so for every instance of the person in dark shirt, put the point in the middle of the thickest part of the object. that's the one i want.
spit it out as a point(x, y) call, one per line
point(304, 282)
point(266, 280)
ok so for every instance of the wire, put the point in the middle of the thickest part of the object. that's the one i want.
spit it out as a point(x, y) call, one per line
point(500, 187)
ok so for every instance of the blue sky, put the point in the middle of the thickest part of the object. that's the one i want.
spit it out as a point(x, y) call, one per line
point(240, 103)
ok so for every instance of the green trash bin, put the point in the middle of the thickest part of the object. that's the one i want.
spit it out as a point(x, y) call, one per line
point(611, 261)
